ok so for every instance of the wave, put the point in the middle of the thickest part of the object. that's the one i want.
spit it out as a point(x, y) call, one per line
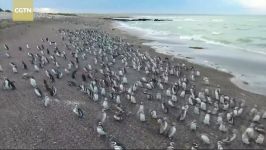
point(216, 33)
point(244, 40)
point(217, 20)
point(169, 37)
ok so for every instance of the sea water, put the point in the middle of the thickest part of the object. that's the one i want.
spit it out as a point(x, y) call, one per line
point(233, 44)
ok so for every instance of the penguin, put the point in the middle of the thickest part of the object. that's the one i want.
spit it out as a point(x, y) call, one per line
point(220, 118)
point(49, 75)
point(73, 75)
point(20, 48)
point(203, 106)
point(83, 77)
point(219, 145)
point(38, 92)
point(46, 101)
point(158, 96)
point(222, 127)
point(205, 139)
point(256, 117)
point(36, 68)
point(164, 108)
point(196, 110)
point(230, 139)
point(141, 108)
point(132, 99)
point(116, 145)
point(14, 68)
point(183, 113)
point(118, 116)
point(193, 125)
point(33, 82)
point(53, 91)
point(6, 47)
point(117, 100)
point(172, 131)
point(153, 114)
point(25, 67)
point(206, 119)
point(78, 111)
point(103, 116)
point(105, 104)
point(95, 97)
point(248, 134)
point(1, 68)
point(260, 139)
point(100, 130)
point(171, 146)
point(263, 115)
point(142, 116)
point(8, 85)
point(163, 125)
point(194, 146)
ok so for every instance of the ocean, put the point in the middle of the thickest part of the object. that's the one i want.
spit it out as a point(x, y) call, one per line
point(233, 44)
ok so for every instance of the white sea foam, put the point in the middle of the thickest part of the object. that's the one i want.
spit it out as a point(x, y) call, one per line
point(221, 51)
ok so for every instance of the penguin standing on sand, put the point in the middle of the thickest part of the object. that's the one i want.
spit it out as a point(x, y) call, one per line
point(25, 67)
point(8, 85)
point(172, 131)
point(163, 125)
point(33, 82)
point(38, 92)
point(78, 111)
point(100, 130)
point(6, 47)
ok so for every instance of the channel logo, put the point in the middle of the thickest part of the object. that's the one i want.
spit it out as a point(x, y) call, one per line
point(23, 10)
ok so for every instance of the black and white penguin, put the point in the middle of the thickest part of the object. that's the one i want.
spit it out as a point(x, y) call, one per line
point(24, 65)
point(172, 131)
point(46, 101)
point(8, 85)
point(33, 82)
point(171, 146)
point(116, 145)
point(78, 111)
point(38, 92)
point(6, 47)
point(100, 130)
point(163, 125)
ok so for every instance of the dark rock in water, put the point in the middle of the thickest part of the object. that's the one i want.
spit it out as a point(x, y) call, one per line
point(196, 47)
point(246, 83)
point(137, 19)
point(162, 20)
point(1, 10)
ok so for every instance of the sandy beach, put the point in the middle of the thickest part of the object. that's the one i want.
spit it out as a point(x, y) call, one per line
point(26, 123)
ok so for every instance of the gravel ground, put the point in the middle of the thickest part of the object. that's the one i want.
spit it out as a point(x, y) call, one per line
point(26, 123)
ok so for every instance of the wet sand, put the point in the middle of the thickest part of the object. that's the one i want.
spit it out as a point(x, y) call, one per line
point(26, 123)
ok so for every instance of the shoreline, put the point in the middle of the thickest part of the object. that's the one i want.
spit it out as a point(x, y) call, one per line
point(222, 76)
point(26, 123)
point(250, 78)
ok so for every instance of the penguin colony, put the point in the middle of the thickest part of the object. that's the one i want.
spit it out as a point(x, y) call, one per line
point(100, 66)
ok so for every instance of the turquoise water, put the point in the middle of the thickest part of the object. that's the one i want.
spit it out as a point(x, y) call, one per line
point(234, 44)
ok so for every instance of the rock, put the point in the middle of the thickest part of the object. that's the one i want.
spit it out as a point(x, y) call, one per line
point(196, 47)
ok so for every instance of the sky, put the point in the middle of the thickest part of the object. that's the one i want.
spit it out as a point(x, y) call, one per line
point(148, 6)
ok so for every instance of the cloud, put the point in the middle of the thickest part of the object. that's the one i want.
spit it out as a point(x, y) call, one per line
point(258, 6)
point(45, 10)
